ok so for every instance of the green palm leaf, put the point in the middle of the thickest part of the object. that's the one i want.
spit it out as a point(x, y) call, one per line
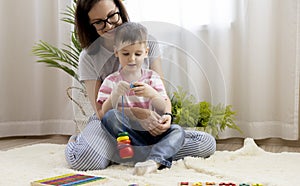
point(69, 13)
point(63, 59)
point(57, 58)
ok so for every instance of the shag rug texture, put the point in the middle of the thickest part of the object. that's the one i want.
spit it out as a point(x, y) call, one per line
point(250, 164)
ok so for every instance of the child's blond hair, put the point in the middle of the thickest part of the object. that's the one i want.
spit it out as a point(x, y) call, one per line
point(130, 33)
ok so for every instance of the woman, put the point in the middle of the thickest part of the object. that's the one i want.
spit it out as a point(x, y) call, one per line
point(92, 149)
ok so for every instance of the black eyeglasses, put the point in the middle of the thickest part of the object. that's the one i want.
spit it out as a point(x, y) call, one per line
point(111, 19)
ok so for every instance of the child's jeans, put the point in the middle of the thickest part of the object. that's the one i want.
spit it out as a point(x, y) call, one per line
point(160, 148)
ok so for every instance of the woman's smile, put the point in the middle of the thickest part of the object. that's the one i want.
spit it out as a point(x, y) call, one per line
point(109, 34)
point(131, 64)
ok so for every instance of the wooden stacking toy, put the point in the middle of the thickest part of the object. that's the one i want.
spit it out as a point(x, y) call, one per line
point(124, 146)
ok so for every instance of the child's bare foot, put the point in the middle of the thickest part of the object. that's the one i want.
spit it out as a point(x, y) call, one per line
point(145, 167)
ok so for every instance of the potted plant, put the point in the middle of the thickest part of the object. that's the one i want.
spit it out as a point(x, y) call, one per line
point(201, 115)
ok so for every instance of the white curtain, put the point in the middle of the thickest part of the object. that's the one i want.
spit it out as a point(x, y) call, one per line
point(239, 52)
point(33, 98)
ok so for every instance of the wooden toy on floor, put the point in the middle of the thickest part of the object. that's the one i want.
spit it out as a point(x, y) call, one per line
point(124, 143)
point(70, 180)
point(124, 146)
point(185, 183)
point(227, 184)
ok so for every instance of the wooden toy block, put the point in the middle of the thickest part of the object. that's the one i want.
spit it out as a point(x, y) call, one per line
point(183, 183)
point(227, 184)
point(210, 183)
point(186, 183)
point(197, 184)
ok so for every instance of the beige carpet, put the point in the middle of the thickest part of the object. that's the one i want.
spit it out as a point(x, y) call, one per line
point(249, 164)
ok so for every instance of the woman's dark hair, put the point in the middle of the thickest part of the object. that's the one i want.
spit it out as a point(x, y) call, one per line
point(87, 34)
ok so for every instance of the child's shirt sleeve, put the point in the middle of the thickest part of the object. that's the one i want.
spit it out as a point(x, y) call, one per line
point(105, 90)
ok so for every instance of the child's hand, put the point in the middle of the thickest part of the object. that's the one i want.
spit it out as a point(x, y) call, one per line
point(144, 90)
point(120, 90)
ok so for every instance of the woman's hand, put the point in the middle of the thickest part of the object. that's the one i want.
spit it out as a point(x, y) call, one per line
point(151, 123)
point(150, 120)
point(162, 126)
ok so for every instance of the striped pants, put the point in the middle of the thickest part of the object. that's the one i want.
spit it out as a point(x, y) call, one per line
point(92, 149)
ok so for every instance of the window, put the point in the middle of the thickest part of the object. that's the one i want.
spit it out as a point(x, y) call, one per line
point(190, 14)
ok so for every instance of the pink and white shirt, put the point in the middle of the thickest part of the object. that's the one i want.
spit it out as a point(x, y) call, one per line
point(130, 99)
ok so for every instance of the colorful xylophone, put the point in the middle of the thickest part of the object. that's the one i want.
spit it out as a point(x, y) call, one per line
point(70, 180)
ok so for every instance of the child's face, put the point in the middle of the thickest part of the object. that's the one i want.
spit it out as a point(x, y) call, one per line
point(132, 56)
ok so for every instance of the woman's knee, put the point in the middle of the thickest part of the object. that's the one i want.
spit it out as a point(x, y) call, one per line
point(84, 159)
point(178, 130)
point(212, 144)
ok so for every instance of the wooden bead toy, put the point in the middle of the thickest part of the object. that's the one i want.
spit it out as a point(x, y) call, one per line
point(184, 183)
point(219, 184)
point(210, 183)
point(124, 146)
point(197, 184)
point(227, 184)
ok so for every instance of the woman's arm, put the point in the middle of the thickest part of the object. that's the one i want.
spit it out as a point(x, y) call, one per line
point(165, 120)
point(156, 66)
point(92, 88)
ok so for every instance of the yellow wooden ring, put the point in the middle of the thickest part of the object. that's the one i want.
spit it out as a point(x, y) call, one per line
point(121, 138)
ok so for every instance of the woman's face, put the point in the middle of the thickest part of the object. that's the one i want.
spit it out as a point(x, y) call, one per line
point(104, 17)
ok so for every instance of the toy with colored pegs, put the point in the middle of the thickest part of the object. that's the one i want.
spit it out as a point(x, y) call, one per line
point(186, 183)
point(227, 184)
point(124, 146)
